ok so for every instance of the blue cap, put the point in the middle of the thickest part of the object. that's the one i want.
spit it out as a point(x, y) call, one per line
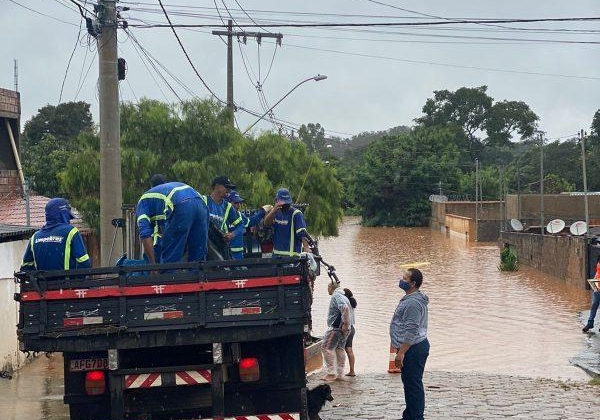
point(234, 197)
point(283, 195)
point(58, 206)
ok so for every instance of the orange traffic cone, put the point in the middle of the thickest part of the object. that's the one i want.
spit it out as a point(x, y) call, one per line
point(392, 365)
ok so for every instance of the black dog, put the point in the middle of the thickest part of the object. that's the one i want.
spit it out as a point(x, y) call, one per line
point(316, 400)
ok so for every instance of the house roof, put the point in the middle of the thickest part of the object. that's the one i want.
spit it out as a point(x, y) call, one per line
point(13, 212)
point(8, 232)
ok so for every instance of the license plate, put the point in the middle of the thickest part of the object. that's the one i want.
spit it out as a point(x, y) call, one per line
point(81, 365)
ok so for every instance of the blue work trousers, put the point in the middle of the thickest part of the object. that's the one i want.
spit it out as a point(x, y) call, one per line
point(187, 225)
point(412, 379)
point(594, 307)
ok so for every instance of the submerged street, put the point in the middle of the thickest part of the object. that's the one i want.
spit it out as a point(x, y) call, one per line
point(500, 342)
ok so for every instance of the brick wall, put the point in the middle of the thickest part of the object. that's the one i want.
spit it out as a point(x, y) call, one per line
point(9, 182)
point(10, 105)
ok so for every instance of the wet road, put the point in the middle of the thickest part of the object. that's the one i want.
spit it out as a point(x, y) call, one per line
point(480, 320)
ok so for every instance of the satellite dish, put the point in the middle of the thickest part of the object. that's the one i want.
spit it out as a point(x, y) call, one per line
point(516, 225)
point(578, 228)
point(555, 226)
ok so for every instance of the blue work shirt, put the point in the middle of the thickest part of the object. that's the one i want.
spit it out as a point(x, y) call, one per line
point(409, 323)
point(225, 216)
point(289, 228)
point(237, 243)
point(57, 246)
point(157, 204)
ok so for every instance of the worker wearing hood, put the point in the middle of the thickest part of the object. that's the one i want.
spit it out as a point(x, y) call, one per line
point(57, 245)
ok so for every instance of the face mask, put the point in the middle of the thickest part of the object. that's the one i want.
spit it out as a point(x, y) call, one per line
point(285, 207)
point(404, 285)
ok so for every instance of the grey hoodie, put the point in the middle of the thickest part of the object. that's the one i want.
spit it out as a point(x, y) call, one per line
point(409, 323)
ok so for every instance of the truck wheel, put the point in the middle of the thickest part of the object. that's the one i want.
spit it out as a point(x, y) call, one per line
point(89, 411)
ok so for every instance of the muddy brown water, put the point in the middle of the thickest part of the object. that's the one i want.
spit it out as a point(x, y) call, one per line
point(480, 320)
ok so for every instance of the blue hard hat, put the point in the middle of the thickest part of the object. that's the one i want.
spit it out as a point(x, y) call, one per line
point(283, 195)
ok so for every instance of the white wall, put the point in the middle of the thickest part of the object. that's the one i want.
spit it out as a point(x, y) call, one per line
point(11, 254)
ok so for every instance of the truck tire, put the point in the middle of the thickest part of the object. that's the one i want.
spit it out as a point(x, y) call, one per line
point(89, 411)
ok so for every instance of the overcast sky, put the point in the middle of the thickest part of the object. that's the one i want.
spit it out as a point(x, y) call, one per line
point(560, 81)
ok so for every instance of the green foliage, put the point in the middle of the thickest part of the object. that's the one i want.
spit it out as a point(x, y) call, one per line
point(398, 173)
point(313, 136)
point(505, 118)
point(193, 142)
point(48, 139)
point(508, 259)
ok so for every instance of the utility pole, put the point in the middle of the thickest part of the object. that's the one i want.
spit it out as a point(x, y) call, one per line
point(542, 183)
point(111, 196)
point(230, 33)
point(582, 135)
point(230, 69)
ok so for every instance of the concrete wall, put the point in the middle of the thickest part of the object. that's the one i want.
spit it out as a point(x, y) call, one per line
point(560, 256)
point(12, 253)
point(458, 217)
point(570, 208)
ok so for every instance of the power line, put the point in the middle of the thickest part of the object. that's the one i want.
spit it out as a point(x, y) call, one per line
point(376, 24)
point(69, 62)
point(433, 63)
point(186, 54)
point(42, 14)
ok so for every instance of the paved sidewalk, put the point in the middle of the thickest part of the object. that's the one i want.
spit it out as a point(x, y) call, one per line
point(589, 358)
point(463, 396)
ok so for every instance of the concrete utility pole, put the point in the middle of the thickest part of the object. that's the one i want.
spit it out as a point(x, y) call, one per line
point(582, 135)
point(542, 183)
point(245, 35)
point(111, 197)
point(230, 69)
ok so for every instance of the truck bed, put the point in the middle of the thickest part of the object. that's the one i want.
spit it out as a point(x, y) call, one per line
point(158, 305)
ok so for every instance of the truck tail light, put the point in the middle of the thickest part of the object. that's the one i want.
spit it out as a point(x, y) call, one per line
point(95, 382)
point(249, 369)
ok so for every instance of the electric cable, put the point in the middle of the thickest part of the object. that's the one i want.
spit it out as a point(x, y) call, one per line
point(187, 56)
point(42, 14)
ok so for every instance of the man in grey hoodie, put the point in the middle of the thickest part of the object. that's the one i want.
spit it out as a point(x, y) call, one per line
point(408, 333)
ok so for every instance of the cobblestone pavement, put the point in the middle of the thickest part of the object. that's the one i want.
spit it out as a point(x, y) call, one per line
point(463, 396)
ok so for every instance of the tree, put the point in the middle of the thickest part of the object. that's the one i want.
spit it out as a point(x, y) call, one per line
point(398, 173)
point(193, 142)
point(505, 118)
point(313, 136)
point(47, 141)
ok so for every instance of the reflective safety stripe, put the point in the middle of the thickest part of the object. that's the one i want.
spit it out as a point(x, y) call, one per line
point(72, 233)
point(289, 254)
point(156, 235)
point(203, 197)
point(27, 264)
point(225, 216)
point(143, 216)
point(82, 259)
point(32, 252)
point(300, 230)
point(236, 249)
point(173, 191)
point(292, 233)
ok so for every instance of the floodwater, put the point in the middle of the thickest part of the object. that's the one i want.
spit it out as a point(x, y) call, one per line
point(480, 320)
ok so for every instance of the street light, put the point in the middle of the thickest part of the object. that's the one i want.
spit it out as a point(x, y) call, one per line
point(316, 78)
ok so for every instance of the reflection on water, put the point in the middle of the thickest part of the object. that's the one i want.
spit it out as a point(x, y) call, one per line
point(479, 318)
point(35, 392)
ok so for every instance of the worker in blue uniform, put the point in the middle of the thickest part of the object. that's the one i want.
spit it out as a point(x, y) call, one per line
point(221, 212)
point(289, 228)
point(185, 218)
point(237, 242)
point(158, 225)
point(57, 245)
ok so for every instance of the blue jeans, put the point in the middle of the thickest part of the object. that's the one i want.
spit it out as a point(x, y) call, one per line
point(594, 307)
point(412, 379)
